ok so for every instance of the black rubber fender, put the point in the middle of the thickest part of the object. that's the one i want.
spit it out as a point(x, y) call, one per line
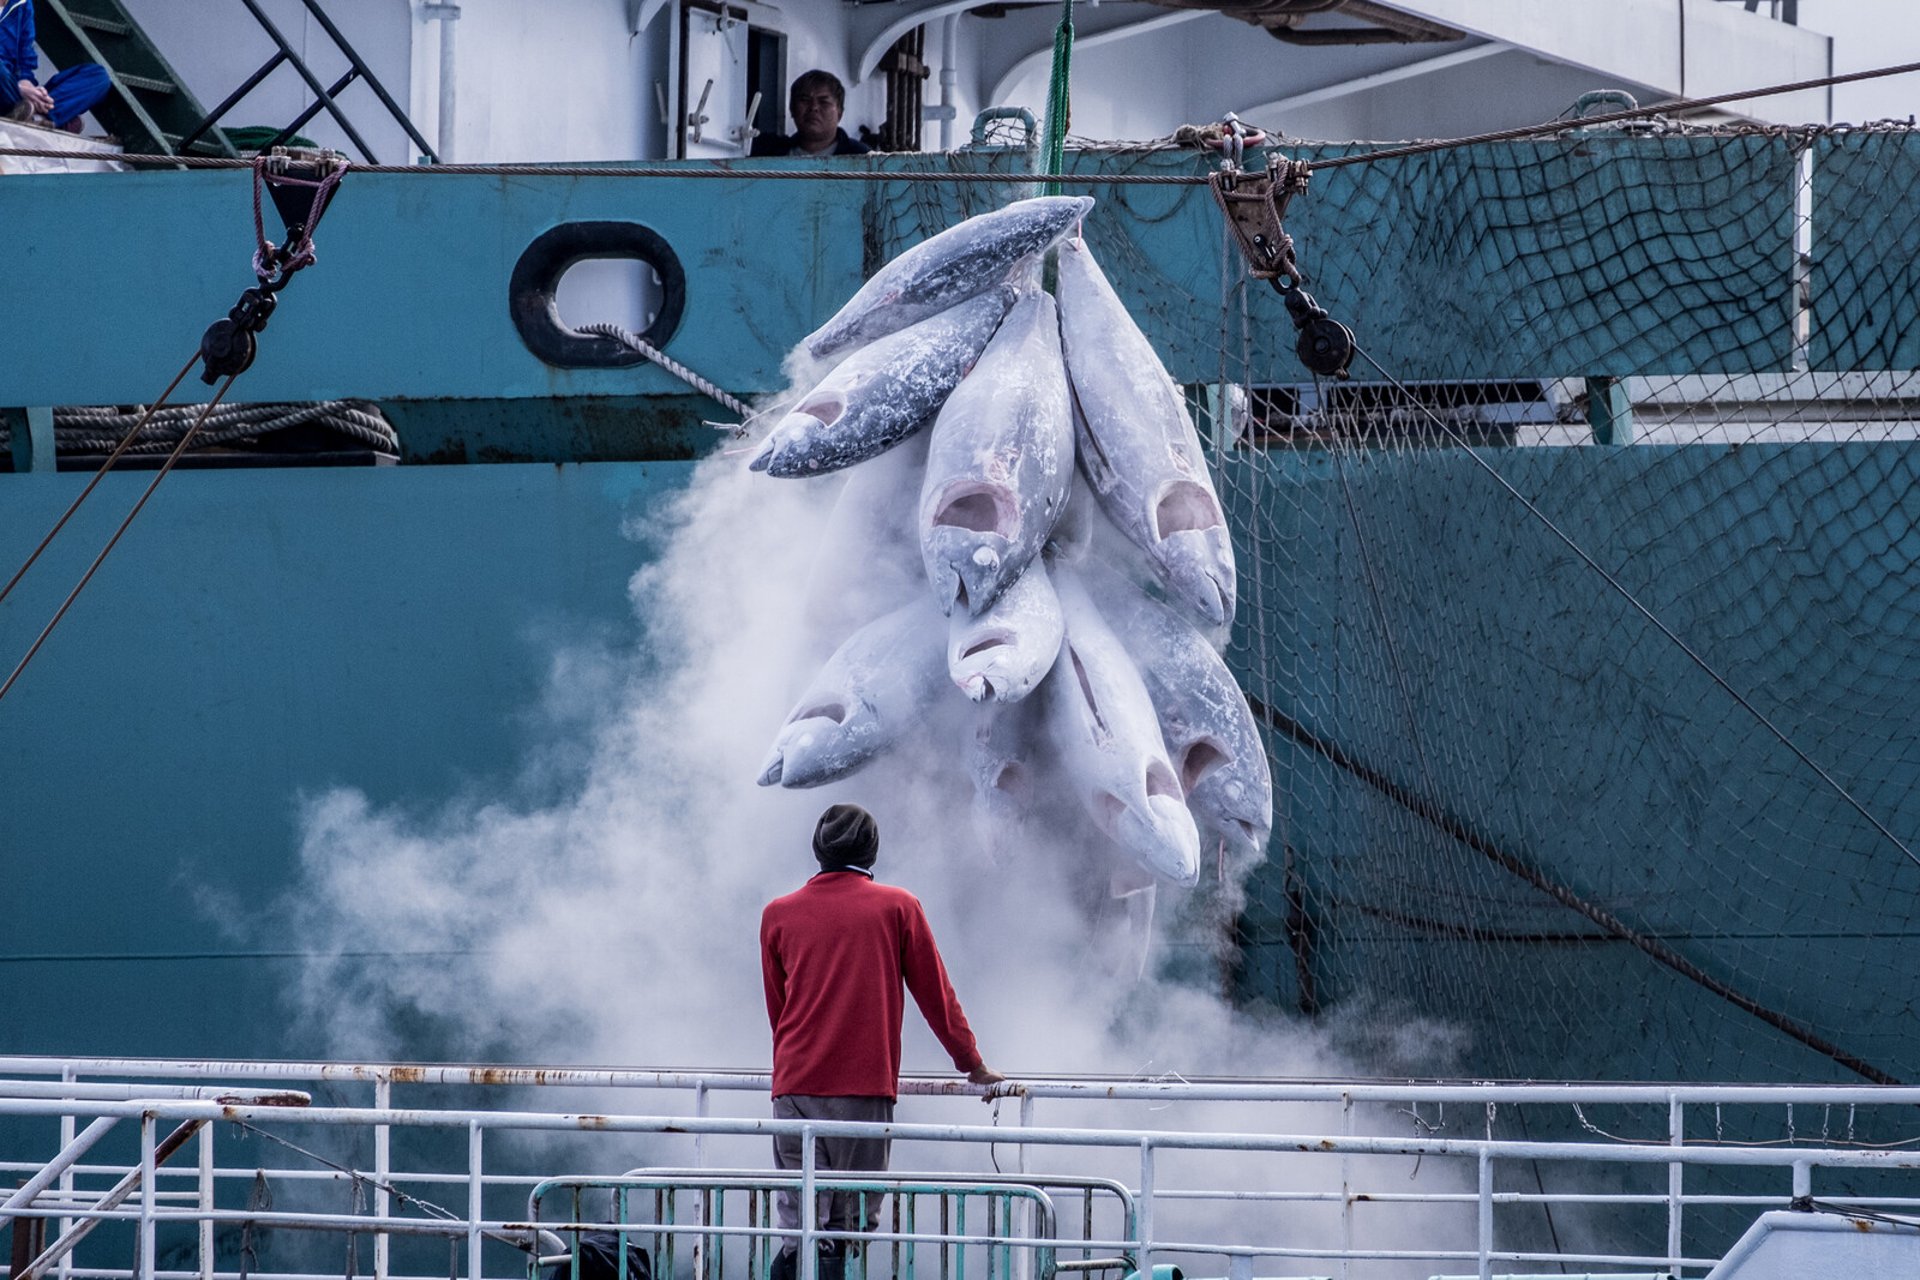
point(536, 278)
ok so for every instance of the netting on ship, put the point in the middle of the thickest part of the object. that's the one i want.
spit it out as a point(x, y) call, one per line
point(1508, 800)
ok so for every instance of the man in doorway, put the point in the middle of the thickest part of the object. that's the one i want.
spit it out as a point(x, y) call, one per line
point(64, 98)
point(816, 103)
point(835, 955)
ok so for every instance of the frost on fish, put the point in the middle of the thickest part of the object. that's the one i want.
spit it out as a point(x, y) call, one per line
point(1000, 462)
point(875, 686)
point(867, 560)
point(1002, 758)
point(1002, 654)
point(1138, 448)
point(1102, 724)
point(962, 262)
point(884, 393)
point(1209, 730)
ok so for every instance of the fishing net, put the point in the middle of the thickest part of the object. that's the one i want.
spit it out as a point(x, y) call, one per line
point(1583, 619)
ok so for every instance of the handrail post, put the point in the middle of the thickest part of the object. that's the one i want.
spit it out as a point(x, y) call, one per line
point(1346, 1189)
point(474, 1186)
point(702, 1107)
point(1027, 1101)
point(382, 1174)
point(1802, 1179)
point(1677, 1136)
point(206, 1201)
point(1144, 1263)
point(148, 1166)
point(1486, 1211)
point(67, 1128)
point(808, 1268)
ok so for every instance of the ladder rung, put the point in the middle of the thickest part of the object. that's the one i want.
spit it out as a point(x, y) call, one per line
point(146, 83)
point(93, 23)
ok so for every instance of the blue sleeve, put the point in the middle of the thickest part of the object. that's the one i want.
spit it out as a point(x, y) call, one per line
point(17, 39)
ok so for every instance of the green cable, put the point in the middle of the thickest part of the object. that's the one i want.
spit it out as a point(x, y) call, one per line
point(1057, 99)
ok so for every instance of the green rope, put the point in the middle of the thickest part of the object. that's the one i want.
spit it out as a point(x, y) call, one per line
point(1057, 101)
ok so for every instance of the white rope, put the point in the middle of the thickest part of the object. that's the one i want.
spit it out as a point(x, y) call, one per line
point(668, 363)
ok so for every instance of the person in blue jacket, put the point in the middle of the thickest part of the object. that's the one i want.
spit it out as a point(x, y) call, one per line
point(64, 98)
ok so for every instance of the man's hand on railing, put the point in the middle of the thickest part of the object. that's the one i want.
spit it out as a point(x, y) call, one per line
point(986, 1075)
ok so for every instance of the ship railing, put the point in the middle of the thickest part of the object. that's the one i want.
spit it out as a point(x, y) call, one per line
point(1823, 1141)
point(939, 1222)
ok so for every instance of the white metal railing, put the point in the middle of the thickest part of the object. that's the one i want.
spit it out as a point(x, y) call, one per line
point(1212, 1220)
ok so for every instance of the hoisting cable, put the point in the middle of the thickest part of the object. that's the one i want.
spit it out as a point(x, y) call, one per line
point(126, 442)
point(100, 559)
point(1645, 612)
point(300, 183)
point(672, 366)
point(1432, 812)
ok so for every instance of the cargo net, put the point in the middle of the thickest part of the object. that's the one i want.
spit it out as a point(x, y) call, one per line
point(1584, 619)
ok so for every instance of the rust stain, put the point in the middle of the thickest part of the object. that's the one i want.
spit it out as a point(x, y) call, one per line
point(1860, 1224)
point(288, 1098)
point(593, 1122)
point(406, 1075)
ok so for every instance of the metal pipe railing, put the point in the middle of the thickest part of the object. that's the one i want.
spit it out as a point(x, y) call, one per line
point(68, 1097)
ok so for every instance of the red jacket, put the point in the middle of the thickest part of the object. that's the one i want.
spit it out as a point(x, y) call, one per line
point(835, 954)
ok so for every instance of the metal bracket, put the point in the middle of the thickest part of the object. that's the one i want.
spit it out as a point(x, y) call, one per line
point(1254, 204)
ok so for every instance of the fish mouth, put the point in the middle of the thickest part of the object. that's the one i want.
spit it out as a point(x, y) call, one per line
point(1199, 569)
point(1161, 836)
point(771, 770)
point(834, 711)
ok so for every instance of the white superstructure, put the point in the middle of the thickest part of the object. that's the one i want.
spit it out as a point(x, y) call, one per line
point(489, 80)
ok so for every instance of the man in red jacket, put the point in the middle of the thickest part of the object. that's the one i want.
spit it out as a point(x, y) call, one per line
point(835, 956)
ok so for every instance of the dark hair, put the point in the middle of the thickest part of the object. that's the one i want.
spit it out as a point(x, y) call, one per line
point(813, 81)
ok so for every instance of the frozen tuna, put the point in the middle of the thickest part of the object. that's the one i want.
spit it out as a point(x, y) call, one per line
point(1000, 462)
point(876, 685)
point(961, 262)
point(1001, 758)
point(1102, 723)
point(1138, 448)
point(1209, 731)
point(1001, 655)
point(884, 393)
point(867, 561)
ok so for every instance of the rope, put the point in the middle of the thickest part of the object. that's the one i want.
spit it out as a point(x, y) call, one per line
point(725, 169)
point(1430, 811)
point(114, 541)
point(88, 429)
point(1059, 101)
point(118, 449)
point(1613, 117)
point(672, 366)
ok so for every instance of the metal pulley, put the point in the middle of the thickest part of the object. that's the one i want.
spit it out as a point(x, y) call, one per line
point(1325, 345)
point(228, 346)
point(299, 182)
point(1253, 204)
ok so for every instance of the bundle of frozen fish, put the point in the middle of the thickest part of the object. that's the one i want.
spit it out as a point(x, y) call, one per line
point(962, 396)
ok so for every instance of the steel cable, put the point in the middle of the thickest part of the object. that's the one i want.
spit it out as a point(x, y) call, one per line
point(100, 559)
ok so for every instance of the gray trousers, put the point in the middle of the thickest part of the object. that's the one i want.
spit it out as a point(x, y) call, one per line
point(841, 1210)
